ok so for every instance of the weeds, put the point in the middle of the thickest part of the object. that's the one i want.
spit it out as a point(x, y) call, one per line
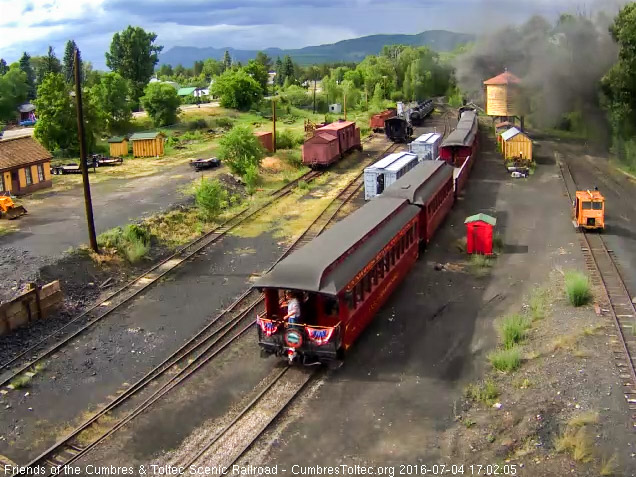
point(302, 185)
point(461, 244)
point(210, 197)
point(497, 243)
point(576, 442)
point(480, 264)
point(506, 360)
point(288, 140)
point(468, 423)
point(538, 303)
point(513, 330)
point(609, 466)
point(584, 419)
point(20, 382)
point(577, 287)
point(485, 392)
point(522, 384)
point(131, 242)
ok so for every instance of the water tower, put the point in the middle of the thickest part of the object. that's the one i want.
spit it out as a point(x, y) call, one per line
point(503, 95)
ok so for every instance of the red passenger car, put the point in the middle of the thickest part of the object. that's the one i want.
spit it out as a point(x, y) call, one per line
point(376, 122)
point(319, 150)
point(429, 186)
point(462, 142)
point(343, 277)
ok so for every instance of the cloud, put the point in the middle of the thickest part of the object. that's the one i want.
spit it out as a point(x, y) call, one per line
point(249, 24)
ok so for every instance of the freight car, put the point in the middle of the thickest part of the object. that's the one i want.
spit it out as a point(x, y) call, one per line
point(376, 123)
point(398, 129)
point(426, 146)
point(386, 171)
point(341, 278)
point(463, 141)
point(330, 143)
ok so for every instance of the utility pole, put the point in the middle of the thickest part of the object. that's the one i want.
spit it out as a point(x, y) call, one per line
point(314, 95)
point(345, 106)
point(274, 123)
point(82, 145)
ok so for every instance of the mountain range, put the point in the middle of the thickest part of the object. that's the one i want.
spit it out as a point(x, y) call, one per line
point(352, 50)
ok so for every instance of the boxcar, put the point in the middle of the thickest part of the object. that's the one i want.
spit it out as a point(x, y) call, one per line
point(430, 187)
point(426, 146)
point(343, 276)
point(398, 129)
point(376, 123)
point(460, 175)
point(462, 142)
point(330, 143)
point(386, 171)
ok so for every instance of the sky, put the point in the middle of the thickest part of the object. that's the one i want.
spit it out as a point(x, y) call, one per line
point(32, 25)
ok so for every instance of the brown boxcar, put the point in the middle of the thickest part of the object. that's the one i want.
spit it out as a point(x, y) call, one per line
point(377, 120)
point(347, 133)
point(266, 140)
point(319, 151)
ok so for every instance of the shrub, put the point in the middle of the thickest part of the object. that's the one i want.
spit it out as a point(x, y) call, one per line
point(575, 441)
point(286, 139)
point(293, 158)
point(210, 197)
point(513, 330)
point(199, 123)
point(297, 96)
point(485, 392)
point(223, 123)
point(577, 287)
point(397, 96)
point(538, 303)
point(132, 242)
point(506, 360)
point(239, 148)
point(251, 178)
point(162, 103)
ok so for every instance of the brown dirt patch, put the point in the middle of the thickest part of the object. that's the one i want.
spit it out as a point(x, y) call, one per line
point(273, 164)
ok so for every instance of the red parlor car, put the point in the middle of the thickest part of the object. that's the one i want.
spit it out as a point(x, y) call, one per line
point(462, 143)
point(342, 278)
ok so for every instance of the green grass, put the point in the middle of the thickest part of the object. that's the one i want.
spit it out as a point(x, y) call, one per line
point(609, 466)
point(131, 242)
point(480, 265)
point(20, 382)
point(538, 303)
point(577, 287)
point(513, 330)
point(485, 392)
point(506, 360)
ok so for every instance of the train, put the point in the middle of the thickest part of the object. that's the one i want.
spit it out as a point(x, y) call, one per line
point(376, 123)
point(399, 128)
point(330, 143)
point(341, 278)
point(463, 141)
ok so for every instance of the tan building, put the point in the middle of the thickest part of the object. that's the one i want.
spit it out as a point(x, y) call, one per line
point(118, 146)
point(502, 95)
point(148, 144)
point(25, 166)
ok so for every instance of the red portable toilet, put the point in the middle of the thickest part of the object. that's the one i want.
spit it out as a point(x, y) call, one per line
point(479, 233)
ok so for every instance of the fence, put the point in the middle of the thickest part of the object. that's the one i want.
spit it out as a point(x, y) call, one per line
point(34, 304)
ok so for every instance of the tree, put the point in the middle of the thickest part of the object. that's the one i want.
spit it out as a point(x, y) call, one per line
point(57, 124)
point(264, 60)
point(288, 69)
point(257, 71)
point(3, 67)
point(237, 90)
point(52, 64)
point(179, 70)
point(25, 65)
point(212, 67)
point(197, 68)
point(280, 73)
point(166, 70)
point(297, 96)
point(162, 103)
point(227, 61)
point(43, 65)
point(378, 95)
point(110, 97)
point(134, 55)
point(69, 52)
point(13, 92)
point(90, 77)
point(241, 150)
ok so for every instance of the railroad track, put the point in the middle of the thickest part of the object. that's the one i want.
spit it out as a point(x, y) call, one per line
point(123, 295)
point(213, 339)
point(602, 267)
point(229, 444)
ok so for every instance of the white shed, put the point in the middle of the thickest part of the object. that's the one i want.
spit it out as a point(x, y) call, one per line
point(426, 146)
point(335, 108)
point(386, 171)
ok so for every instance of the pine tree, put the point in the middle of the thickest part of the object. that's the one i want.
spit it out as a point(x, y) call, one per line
point(52, 64)
point(3, 67)
point(69, 53)
point(25, 66)
point(227, 61)
point(280, 74)
point(288, 68)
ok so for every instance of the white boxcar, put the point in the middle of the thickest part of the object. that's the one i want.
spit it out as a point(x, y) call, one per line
point(386, 171)
point(426, 146)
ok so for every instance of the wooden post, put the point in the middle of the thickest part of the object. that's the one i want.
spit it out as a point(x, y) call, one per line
point(88, 203)
point(345, 106)
point(274, 124)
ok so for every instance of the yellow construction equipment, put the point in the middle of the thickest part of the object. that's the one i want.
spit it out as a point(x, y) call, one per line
point(589, 210)
point(8, 209)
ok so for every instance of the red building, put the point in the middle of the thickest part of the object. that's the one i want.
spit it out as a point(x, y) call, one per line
point(266, 140)
point(479, 234)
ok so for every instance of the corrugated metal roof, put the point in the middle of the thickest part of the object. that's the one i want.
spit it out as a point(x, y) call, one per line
point(336, 125)
point(385, 161)
point(504, 78)
point(185, 91)
point(481, 218)
point(423, 137)
point(510, 133)
point(26, 108)
point(433, 139)
point(21, 151)
point(147, 135)
point(401, 162)
point(310, 268)
point(116, 139)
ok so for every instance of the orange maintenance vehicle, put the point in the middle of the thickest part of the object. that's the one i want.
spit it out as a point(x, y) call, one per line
point(589, 210)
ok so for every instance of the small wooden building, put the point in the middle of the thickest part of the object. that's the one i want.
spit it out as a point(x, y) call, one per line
point(516, 145)
point(118, 146)
point(148, 144)
point(266, 140)
point(25, 166)
point(502, 95)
